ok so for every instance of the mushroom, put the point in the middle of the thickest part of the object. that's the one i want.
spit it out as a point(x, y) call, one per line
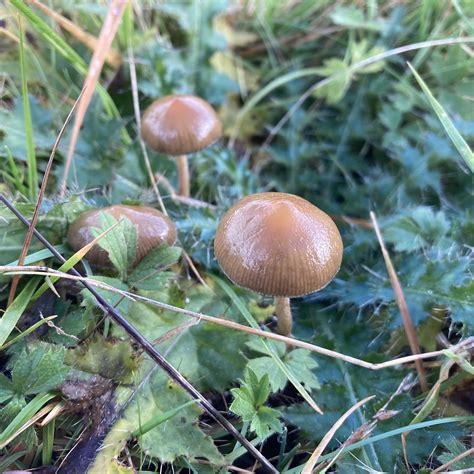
point(281, 245)
point(178, 125)
point(153, 229)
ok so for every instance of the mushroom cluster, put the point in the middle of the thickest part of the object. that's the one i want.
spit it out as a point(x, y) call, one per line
point(275, 244)
point(280, 245)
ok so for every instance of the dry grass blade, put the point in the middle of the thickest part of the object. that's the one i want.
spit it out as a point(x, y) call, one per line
point(90, 41)
point(136, 109)
point(44, 411)
point(44, 183)
point(458, 458)
point(107, 34)
point(36, 270)
point(309, 466)
point(151, 176)
point(402, 304)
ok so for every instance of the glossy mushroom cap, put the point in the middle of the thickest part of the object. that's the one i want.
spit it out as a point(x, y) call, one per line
point(153, 229)
point(278, 244)
point(180, 124)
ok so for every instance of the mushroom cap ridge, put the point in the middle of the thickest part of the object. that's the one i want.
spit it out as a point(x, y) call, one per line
point(153, 229)
point(180, 124)
point(278, 244)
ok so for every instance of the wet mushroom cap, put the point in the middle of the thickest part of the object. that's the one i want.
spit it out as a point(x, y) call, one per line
point(278, 244)
point(180, 124)
point(153, 229)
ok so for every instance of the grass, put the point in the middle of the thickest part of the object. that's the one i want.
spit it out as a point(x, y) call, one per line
point(317, 99)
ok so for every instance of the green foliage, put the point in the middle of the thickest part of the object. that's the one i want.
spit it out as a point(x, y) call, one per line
point(365, 138)
point(299, 361)
point(120, 243)
point(148, 274)
point(113, 360)
point(249, 401)
point(178, 436)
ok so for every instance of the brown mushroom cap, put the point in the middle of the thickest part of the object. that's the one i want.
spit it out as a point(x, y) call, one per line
point(153, 229)
point(180, 124)
point(278, 244)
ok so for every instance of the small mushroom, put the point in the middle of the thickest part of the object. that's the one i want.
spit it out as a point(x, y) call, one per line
point(281, 245)
point(153, 229)
point(178, 125)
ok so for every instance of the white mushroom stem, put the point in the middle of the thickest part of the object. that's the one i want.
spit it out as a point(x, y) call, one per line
point(183, 175)
point(283, 313)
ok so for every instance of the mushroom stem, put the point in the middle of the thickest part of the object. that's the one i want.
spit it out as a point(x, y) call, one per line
point(183, 175)
point(283, 313)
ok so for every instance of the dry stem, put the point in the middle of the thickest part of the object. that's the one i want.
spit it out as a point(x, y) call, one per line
point(45, 271)
point(402, 305)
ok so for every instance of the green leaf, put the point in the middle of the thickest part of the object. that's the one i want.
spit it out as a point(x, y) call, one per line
point(147, 274)
point(451, 130)
point(300, 361)
point(15, 310)
point(353, 17)
point(416, 229)
point(39, 369)
point(114, 360)
point(269, 348)
point(455, 448)
point(6, 388)
point(179, 435)
point(335, 90)
point(120, 243)
point(249, 401)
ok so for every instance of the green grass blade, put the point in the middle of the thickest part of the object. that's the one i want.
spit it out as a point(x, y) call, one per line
point(30, 146)
point(71, 262)
point(15, 310)
point(63, 48)
point(37, 256)
point(26, 332)
point(48, 441)
point(268, 347)
point(159, 419)
point(29, 411)
point(17, 180)
point(451, 130)
point(388, 434)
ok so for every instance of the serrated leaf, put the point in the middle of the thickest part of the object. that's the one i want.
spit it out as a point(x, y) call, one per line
point(39, 369)
point(147, 274)
point(337, 88)
point(248, 404)
point(266, 422)
point(120, 243)
point(299, 361)
point(178, 436)
point(6, 388)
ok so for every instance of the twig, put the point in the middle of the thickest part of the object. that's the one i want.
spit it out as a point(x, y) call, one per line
point(459, 457)
point(366, 429)
point(308, 468)
point(136, 109)
point(402, 305)
point(44, 183)
point(90, 41)
point(36, 270)
point(116, 316)
point(107, 34)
